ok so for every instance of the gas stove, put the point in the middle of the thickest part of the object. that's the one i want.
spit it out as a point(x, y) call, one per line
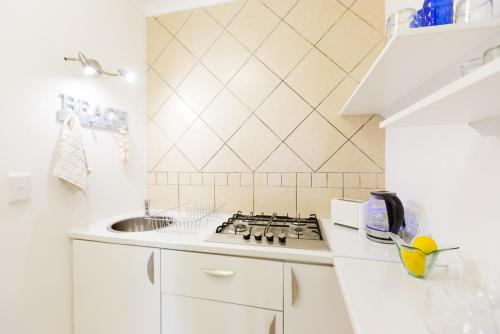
point(274, 230)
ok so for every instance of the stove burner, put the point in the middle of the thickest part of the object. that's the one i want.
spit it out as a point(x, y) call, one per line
point(240, 227)
point(298, 229)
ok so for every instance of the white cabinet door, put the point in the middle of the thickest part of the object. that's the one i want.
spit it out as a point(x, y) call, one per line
point(186, 315)
point(223, 278)
point(116, 289)
point(313, 301)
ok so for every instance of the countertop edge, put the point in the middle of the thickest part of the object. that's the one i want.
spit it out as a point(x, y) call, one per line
point(286, 255)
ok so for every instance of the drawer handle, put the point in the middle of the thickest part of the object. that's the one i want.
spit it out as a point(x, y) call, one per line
point(272, 327)
point(295, 288)
point(217, 272)
point(151, 268)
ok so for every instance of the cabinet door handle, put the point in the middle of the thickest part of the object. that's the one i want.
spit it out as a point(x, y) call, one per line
point(272, 327)
point(151, 268)
point(295, 287)
point(217, 272)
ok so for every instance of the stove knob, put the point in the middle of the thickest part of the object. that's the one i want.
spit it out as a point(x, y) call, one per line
point(270, 236)
point(246, 235)
point(282, 238)
point(258, 236)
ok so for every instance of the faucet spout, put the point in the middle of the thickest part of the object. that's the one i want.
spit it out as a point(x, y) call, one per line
point(147, 207)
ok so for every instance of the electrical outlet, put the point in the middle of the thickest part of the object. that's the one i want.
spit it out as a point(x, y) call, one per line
point(19, 187)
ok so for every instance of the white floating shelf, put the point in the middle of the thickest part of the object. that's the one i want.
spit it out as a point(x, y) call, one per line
point(473, 98)
point(411, 59)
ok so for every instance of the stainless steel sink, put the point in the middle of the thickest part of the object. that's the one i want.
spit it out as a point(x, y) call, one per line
point(141, 224)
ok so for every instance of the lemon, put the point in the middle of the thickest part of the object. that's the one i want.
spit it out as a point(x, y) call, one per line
point(414, 262)
point(425, 244)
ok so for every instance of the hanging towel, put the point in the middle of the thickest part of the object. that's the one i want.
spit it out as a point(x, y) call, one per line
point(72, 165)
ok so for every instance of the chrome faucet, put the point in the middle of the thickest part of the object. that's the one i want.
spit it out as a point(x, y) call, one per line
point(147, 207)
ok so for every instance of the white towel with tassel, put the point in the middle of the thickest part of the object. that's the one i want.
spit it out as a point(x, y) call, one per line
point(72, 165)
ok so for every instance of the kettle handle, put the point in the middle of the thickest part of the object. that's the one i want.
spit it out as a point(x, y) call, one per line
point(398, 215)
point(390, 206)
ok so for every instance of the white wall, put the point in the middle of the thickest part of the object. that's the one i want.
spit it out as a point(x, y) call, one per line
point(454, 174)
point(35, 254)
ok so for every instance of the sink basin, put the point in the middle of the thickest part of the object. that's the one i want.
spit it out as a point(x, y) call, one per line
point(141, 224)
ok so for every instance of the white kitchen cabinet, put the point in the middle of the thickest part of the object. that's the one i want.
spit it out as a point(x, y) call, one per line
point(223, 278)
point(186, 315)
point(116, 289)
point(313, 301)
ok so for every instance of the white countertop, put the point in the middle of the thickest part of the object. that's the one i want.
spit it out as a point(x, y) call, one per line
point(349, 243)
point(380, 296)
point(343, 242)
point(196, 243)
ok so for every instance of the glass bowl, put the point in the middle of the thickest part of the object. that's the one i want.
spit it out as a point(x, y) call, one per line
point(471, 65)
point(398, 21)
point(491, 54)
point(417, 263)
point(473, 11)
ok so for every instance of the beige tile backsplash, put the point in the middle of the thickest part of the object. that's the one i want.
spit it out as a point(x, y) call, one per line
point(243, 103)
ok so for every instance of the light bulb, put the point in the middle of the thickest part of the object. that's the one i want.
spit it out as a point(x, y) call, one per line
point(89, 71)
point(130, 77)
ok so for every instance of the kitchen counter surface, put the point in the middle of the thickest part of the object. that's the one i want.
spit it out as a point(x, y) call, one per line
point(350, 243)
point(195, 242)
point(343, 242)
point(382, 298)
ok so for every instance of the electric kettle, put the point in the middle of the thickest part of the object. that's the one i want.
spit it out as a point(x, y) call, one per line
point(384, 213)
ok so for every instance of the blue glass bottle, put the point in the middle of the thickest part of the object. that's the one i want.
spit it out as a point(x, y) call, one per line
point(438, 12)
point(419, 20)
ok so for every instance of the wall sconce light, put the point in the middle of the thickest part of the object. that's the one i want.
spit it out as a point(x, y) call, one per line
point(91, 67)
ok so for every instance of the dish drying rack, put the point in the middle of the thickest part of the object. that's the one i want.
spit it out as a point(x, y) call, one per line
point(187, 219)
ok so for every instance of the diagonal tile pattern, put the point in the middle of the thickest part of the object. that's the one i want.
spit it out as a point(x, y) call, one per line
point(349, 41)
point(283, 50)
point(174, 117)
point(225, 13)
point(370, 11)
point(315, 77)
point(158, 145)
point(283, 111)
point(174, 63)
point(253, 83)
point(253, 24)
point(313, 18)
point(280, 7)
point(199, 88)
point(199, 32)
point(315, 140)
point(254, 142)
point(158, 92)
point(199, 144)
point(226, 114)
point(158, 38)
point(174, 21)
point(248, 88)
point(225, 57)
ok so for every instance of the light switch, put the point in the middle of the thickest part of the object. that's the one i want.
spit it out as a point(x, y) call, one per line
point(19, 187)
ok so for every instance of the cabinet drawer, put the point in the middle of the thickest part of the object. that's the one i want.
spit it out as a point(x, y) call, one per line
point(236, 280)
point(185, 315)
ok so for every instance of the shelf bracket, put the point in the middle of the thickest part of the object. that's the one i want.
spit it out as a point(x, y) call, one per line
point(487, 127)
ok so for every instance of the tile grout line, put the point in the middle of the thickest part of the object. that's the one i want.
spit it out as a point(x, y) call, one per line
point(252, 112)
